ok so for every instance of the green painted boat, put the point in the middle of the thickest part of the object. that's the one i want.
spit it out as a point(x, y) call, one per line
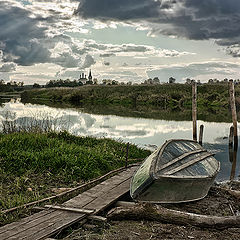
point(179, 171)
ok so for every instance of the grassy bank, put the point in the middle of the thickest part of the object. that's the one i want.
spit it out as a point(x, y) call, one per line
point(164, 96)
point(33, 164)
point(167, 101)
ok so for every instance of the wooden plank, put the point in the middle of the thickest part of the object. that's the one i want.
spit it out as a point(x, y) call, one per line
point(43, 224)
point(115, 189)
point(180, 158)
point(24, 221)
point(110, 197)
point(88, 196)
point(77, 210)
point(185, 165)
point(83, 199)
point(25, 227)
point(49, 227)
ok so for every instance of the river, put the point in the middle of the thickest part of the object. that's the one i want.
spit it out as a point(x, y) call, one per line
point(144, 132)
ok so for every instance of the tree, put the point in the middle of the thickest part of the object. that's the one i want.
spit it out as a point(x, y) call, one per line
point(36, 85)
point(172, 80)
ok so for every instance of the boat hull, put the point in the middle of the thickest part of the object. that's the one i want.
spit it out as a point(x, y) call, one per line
point(175, 190)
point(179, 171)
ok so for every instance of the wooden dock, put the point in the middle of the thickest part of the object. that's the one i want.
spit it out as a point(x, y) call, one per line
point(51, 221)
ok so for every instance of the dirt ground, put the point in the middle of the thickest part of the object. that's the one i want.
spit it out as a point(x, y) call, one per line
point(218, 203)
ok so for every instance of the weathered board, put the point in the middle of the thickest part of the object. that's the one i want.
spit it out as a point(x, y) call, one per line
point(48, 222)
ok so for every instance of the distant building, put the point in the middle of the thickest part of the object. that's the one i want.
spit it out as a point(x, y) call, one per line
point(90, 76)
point(86, 80)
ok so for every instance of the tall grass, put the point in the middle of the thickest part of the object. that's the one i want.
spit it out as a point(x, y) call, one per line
point(40, 122)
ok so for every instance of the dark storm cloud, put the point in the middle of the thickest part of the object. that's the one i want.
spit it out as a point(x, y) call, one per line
point(20, 36)
point(116, 9)
point(191, 19)
point(24, 38)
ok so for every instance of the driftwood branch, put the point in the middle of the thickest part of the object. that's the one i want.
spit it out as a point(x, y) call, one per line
point(234, 193)
point(159, 213)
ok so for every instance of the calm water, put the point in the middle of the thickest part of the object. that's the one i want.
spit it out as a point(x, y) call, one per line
point(146, 133)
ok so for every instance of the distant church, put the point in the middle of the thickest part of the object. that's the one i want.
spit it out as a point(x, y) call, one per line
point(84, 79)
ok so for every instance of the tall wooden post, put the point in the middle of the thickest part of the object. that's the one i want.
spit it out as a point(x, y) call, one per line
point(201, 135)
point(233, 109)
point(194, 110)
point(231, 137)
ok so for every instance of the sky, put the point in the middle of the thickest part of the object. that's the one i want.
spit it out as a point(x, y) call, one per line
point(124, 40)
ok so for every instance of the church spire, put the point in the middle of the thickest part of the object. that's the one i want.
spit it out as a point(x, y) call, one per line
point(90, 76)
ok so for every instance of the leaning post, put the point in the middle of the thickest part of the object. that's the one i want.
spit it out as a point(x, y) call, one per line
point(233, 109)
point(194, 110)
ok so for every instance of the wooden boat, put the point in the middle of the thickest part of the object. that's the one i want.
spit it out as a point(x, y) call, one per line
point(179, 171)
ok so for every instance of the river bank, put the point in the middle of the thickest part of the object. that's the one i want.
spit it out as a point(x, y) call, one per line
point(36, 165)
point(146, 226)
point(164, 96)
point(167, 101)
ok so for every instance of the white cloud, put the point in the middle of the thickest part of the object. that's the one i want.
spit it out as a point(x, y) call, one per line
point(8, 67)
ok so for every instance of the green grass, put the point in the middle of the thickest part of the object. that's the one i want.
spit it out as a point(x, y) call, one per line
point(34, 163)
point(166, 101)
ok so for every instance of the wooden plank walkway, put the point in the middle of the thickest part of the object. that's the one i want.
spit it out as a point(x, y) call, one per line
point(48, 222)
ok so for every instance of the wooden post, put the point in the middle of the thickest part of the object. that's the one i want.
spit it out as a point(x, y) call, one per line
point(233, 109)
point(194, 110)
point(126, 162)
point(233, 157)
point(201, 134)
point(231, 136)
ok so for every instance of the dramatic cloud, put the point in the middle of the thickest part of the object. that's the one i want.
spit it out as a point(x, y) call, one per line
point(109, 50)
point(28, 38)
point(20, 37)
point(88, 62)
point(191, 19)
point(121, 10)
point(202, 71)
point(66, 60)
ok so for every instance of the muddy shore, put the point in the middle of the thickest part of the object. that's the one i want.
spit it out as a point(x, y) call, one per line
point(219, 202)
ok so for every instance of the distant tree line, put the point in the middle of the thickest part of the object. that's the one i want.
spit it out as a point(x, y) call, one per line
point(63, 83)
point(10, 86)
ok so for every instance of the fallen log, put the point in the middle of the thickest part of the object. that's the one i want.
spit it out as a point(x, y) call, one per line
point(234, 193)
point(159, 213)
